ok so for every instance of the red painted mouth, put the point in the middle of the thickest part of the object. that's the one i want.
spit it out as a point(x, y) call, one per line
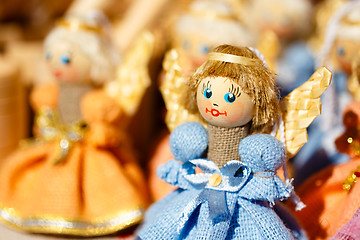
point(216, 112)
point(57, 73)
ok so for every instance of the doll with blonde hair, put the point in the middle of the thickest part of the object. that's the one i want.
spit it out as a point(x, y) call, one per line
point(79, 175)
point(203, 26)
point(235, 93)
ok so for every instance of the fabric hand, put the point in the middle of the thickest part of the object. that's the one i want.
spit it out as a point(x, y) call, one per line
point(188, 141)
point(173, 172)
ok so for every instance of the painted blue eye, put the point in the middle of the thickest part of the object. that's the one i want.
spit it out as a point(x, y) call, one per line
point(208, 93)
point(340, 51)
point(204, 49)
point(65, 59)
point(47, 55)
point(229, 97)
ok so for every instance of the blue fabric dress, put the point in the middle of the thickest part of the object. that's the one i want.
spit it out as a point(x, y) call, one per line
point(237, 207)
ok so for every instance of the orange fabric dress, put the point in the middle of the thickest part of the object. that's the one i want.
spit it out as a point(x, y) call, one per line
point(329, 206)
point(97, 189)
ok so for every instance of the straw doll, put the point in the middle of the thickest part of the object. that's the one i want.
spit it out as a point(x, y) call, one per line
point(79, 175)
point(236, 95)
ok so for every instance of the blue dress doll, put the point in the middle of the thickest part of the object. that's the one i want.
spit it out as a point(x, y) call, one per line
point(232, 197)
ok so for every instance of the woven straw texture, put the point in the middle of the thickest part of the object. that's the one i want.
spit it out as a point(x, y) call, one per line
point(301, 107)
point(224, 142)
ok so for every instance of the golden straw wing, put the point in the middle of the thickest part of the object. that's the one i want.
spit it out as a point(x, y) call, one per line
point(132, 76)
point(172, 89)
point(300, 108)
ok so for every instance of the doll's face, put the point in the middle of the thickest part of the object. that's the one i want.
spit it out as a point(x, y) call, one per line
point(194, 48)
point(67, 63)
point(223, 103)
point(286, 19)
point(271, 16)
point(345, 51)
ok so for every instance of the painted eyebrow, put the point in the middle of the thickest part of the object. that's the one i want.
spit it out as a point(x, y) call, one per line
point(235, 90)
point(206, 85)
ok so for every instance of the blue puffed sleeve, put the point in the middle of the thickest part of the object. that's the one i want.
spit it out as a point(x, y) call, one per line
point(188, 141)
point(264, 154)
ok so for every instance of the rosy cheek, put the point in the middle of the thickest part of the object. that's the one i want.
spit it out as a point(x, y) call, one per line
point(70, 74)
point(204, 104)
point(234, 112)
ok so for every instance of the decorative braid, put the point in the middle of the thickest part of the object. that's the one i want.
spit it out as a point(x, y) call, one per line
point(224, 143)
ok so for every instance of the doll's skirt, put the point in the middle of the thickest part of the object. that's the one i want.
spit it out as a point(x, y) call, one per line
point(163, 220)
point(92, 192)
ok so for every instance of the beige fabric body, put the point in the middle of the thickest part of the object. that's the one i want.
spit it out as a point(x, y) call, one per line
point(224, 143)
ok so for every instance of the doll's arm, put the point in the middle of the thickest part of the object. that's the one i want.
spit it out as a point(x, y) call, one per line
point(105, 135)
point(97, 106)
point(264, 154)
point(188, 141)
point(103, 115)
point(173, 172)
point(266, 189)
point(44, 96)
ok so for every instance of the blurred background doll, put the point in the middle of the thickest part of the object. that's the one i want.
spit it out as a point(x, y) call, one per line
point(79, 175)
point(332, 195)
point(283, 27)
point(205, 25)
point(195, 32)
point(13, 107)
point(323, 10)
point(340, 48)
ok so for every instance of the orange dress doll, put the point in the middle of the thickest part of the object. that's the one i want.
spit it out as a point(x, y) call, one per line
point(74, 178)
point(332, 195)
